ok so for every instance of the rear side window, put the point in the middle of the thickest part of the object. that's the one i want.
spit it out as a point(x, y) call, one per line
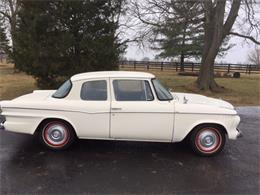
point(63, 90)
point(132, 90)
point(94, 90)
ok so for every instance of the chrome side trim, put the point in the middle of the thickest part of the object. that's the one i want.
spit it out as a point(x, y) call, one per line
point(205, 113)
point(79, 111)
point(60, 110)
point(104, 112)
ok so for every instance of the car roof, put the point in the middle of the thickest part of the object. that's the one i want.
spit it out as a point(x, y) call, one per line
point(111, 74)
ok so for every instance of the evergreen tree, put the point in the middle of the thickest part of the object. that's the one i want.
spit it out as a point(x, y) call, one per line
point(56, 39)
point(181, 34)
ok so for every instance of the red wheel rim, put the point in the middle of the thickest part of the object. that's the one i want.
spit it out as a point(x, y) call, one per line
point(56, 134)
point(208, 140)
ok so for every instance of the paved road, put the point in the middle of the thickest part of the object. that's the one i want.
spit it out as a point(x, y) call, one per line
point(132, 167)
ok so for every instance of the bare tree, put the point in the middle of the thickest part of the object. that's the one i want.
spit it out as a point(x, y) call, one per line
point(9, 12)
point(218, 25)
point(218, 17)
point(254, 56)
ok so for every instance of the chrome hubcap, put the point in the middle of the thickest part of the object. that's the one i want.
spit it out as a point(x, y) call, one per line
point(208, 140)
point(56, 134)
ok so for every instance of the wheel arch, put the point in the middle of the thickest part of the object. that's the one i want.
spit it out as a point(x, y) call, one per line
point(221, 126)
point(49, 119)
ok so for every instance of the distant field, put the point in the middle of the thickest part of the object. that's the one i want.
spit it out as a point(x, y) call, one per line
point(14, 84)
point(243, 91)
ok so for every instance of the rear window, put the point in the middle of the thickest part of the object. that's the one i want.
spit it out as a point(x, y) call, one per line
point(94, 90)
point(63, 90)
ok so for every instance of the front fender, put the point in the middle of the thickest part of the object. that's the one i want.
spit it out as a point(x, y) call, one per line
point(185, 123)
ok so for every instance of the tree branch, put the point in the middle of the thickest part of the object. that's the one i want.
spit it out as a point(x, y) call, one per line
point(246, 37)
point(6, 15)
point(233, 13)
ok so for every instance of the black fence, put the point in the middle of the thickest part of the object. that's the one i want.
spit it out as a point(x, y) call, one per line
point(189, 66)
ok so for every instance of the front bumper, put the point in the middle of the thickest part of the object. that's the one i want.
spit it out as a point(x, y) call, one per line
point(239, 133)
point(2, 121)
point(2, 127)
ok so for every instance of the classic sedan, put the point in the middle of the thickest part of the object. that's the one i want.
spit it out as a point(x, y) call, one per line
point(121, 105)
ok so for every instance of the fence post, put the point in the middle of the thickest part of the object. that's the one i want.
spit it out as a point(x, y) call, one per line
point(134, 65)
point(176, 66)
point(192, 67)
point(147, 66)
point(249, 69)
point(161, 66)
point(228, 68)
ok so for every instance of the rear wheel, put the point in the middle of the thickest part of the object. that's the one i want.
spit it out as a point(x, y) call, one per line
point(57, 135)
point(207, 140)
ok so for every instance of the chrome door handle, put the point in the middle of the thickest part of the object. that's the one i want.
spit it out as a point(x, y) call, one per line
point(116, 108)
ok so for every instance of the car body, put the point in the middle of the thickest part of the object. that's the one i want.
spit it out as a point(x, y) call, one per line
point(121, 105)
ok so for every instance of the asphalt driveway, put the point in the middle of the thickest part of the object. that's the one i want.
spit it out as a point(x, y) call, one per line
point(132, 167)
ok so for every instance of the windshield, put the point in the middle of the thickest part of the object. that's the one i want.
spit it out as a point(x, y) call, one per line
point(63, 90)
point(161, 92)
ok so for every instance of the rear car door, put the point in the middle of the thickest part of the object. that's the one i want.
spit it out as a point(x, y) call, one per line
point(94, 104)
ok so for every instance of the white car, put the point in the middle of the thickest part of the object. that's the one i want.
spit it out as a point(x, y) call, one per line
point(121, 105)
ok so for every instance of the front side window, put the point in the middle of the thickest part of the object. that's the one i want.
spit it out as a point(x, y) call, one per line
point(94, 90)
point(162, 93)
point(63, 90)
point(132, 90)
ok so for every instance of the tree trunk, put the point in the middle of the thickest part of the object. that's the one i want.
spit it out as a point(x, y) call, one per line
point(206, 79)
point(215, 32)
point(213, 38)
point(182, 62)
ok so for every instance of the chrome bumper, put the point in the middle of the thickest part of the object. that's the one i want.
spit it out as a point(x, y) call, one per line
point(2, 126)
point(2, 121)
point(239, 134)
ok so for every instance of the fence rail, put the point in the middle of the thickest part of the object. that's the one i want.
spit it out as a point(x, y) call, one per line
point(189, 66)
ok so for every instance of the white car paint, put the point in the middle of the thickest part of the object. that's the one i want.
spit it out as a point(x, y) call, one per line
point(162, 121)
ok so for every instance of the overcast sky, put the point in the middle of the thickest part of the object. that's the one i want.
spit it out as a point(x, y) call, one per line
point(237, 54)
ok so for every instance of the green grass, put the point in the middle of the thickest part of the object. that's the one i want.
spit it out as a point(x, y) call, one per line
point(243, 91)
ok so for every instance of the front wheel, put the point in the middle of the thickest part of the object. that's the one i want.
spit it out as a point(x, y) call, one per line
point(207, 140)
point(57, 135)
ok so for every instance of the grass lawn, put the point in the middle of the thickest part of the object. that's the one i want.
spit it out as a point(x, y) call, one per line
point(14, 84)
point(240, 92)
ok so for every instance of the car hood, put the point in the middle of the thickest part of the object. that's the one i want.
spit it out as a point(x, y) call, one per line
point(189, 98)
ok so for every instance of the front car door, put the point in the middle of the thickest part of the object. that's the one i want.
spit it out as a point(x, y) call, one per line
point(137, 113)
